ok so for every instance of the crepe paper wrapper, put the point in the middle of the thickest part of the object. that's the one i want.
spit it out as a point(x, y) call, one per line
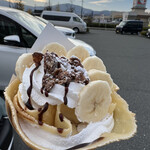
point(50, 35)
point(124, 120)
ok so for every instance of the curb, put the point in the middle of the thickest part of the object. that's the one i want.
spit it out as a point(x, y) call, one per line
point(98, 28)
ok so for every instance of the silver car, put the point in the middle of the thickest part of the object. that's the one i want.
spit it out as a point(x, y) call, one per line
point(18, 32)
point(67, 31)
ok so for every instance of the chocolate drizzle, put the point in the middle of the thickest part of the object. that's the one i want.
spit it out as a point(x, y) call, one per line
point(60, 130)
point(28, 103)
point(40, 115)
point(85, 144)
point(37, 57)
point(65, 95)
point(61, 117)
point(57, 70)
point(60, 70)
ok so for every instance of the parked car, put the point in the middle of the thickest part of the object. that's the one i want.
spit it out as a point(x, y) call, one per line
point(88, 47)
point(18, 32)
point(65, 19)
point(67, 31)
point(148, 33)
point(131, 26)
point(6, 131)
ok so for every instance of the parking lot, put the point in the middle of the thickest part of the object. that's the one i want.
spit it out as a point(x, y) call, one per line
point(127, 58)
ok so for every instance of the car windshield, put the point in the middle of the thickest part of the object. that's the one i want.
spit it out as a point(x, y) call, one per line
point(122, 23)
point(29, 21)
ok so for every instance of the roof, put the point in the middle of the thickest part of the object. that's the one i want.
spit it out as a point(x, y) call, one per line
point(6, 11)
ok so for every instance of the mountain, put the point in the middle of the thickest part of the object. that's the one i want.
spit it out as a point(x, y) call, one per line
point(62, 7)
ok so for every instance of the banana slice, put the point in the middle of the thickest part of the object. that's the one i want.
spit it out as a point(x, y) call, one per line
point(78, 51)
point(112, 108)
point(94, 102)
point(94, 63)
point(56, 48)
point(24, 61)
point(100, 75)
point(116, 87)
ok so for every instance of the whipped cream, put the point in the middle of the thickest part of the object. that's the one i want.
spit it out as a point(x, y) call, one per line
point(55, 96)
point(45, 139)
point(53, 80)
point(45, 87)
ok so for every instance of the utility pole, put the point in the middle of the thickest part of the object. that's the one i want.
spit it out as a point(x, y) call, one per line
point(81, 8)
point(34, 6)
point(9, 3)
point(49, 5)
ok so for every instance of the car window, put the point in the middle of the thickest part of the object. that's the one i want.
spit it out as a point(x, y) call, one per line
point(132, 24)
point(28, 38)
point(30, 21)
point(10, 27)
point(56, 18)
point(122, 23)
point(7, 27)
point(76, 19)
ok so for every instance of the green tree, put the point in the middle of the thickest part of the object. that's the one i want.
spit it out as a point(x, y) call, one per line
point(19, 5)
point(48, 7)
point(57, 7)
point(29, 11)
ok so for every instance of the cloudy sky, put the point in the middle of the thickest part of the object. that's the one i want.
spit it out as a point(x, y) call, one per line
point(119, 5)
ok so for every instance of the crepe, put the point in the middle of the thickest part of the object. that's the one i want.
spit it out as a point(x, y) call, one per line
point(25, 120)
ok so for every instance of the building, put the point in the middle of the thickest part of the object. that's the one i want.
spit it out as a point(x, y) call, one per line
point(138, 12)
point(116, 15)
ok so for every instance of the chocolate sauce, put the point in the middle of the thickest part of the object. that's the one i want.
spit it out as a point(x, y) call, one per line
point(60, 130)
point(28, 103)
point(60, 70)
point(61, 117)
point(65, 95)
point(85, 144)
point(37, 57)
point(40, 115)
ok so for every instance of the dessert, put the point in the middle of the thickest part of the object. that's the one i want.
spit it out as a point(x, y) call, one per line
point(66, 100)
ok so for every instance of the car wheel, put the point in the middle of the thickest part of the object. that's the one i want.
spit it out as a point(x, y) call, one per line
point(76, 30)
point(117, 31)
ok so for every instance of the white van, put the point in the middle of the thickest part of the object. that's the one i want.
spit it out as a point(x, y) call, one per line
point(65, 19)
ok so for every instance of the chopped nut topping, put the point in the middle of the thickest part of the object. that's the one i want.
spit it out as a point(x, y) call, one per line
point(60, 70)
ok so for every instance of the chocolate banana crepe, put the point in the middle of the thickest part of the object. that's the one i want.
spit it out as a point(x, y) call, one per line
point(66, 100)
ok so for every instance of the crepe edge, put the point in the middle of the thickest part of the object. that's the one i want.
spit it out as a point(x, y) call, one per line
point(108, 137)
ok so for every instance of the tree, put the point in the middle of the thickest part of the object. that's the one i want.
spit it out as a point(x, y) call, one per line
point(29, 11)
point(49, 6)
point(19, 5)
point(70, 7)
point(90, 18)
point(57, 7)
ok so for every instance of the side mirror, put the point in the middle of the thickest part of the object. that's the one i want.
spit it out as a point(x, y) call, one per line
point(12, 40)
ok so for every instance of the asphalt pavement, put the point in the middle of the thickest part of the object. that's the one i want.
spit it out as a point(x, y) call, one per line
point(127, 58)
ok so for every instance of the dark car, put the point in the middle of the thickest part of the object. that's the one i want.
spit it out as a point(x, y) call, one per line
point(6, 131)
point(148, 33)
point(129, 26)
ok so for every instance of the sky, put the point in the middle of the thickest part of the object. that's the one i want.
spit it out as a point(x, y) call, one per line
point(118, 5)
